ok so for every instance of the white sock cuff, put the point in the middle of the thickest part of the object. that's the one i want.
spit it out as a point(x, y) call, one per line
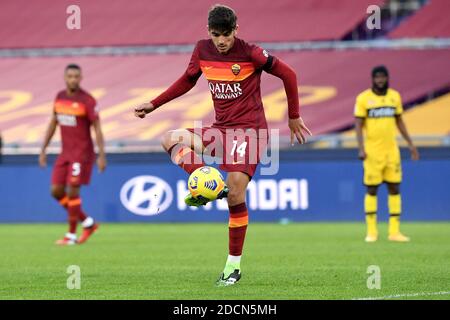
point(88, 222)
point(234, 259)
point(71, 236)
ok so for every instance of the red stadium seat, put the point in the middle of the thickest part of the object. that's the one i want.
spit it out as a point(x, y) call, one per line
point(24, 23)
point(329, 82)
point(431, 21)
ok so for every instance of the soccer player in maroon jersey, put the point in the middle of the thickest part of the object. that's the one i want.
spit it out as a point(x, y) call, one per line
point(75, 112)
point(233, 69)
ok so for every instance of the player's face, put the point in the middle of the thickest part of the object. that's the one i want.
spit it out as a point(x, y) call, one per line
point(223, 41)
point(380, 81)
point(72, 78)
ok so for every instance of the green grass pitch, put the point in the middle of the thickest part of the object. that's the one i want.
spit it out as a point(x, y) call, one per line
point(182, 261)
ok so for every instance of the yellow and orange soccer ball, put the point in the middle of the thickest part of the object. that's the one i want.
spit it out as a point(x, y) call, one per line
point(206, 182)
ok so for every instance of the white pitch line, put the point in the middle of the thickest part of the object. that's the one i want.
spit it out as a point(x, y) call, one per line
point(418, 294)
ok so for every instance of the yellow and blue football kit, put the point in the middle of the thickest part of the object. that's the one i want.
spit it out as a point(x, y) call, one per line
point(383, 162)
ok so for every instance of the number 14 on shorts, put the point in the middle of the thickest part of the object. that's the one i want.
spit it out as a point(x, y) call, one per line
point(239, 149)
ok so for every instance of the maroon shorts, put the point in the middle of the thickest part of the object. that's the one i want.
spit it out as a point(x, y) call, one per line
point(67, 172)
point(235, 149)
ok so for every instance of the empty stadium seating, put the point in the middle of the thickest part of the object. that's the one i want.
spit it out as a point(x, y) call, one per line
point(42, 23)
point(430, 21)
point(329, 82)
point(430, 118)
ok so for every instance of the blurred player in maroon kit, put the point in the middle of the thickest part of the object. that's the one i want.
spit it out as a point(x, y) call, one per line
point(75, 112)
point(233, 69)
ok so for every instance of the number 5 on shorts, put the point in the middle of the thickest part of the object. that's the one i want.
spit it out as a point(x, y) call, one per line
point(76, 169)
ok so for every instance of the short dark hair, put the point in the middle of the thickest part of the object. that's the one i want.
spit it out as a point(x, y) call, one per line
point(221, 18)
point(380, 69)
point(72, 66)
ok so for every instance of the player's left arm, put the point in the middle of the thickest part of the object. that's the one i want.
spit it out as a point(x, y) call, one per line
point(279, 69)
point(402, 127)
point(99, 139)
point(405, 134)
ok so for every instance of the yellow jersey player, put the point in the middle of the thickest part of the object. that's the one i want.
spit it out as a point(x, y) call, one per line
point(379, 110)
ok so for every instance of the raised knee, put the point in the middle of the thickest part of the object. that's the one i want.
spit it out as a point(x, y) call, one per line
point(166, 140)
point(170, 138)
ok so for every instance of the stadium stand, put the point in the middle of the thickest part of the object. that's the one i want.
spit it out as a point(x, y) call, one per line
point(330, 73)
point(327, 89)
point(140, 22)
point(432, 117)
point(431, 21)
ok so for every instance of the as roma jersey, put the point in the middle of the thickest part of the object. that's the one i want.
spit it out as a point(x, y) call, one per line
point(234, 81)
point(75, 114)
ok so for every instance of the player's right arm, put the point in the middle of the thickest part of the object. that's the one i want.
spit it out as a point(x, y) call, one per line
point(359, 123)
point(360, 116)
point(48, 137)
point(185, 83)
point(180, 87)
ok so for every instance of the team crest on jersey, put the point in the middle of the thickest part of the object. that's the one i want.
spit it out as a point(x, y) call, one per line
point(236, 69)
